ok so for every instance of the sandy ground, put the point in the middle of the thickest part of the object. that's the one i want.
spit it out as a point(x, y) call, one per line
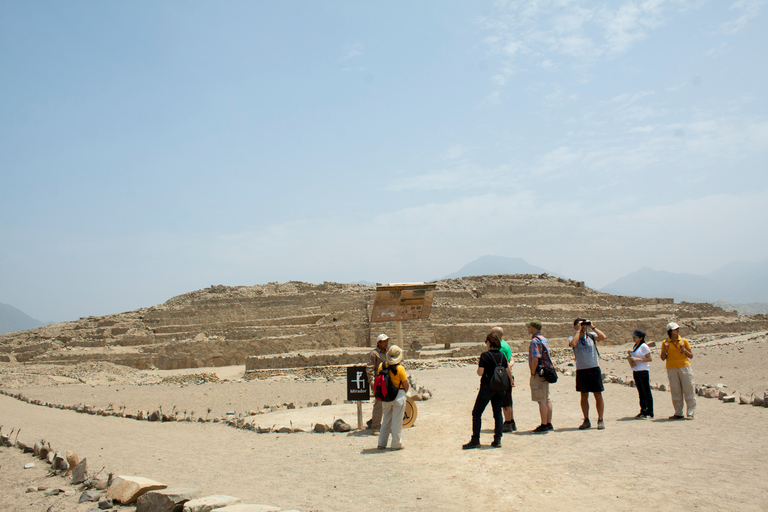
point(715, 462)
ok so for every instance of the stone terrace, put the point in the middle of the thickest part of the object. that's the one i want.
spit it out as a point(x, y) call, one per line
point(299, 324)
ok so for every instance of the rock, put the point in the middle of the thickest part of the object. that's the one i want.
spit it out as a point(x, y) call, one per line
point(743, 401)
point(721, 386)
point(31, 489)
point(52, 492)
point(321, 428)
point(728, 399)
point(29, 465)
point(341, 426)
point(42, 488)
point(89, 496)
point(106, 503)
point(209, 503)
point(80, 472)
point(327, 401)
point(127, 489)
point(155, 416)
point(263, 430)
point(56, 460)
point(246, 507)
point(290, 406)
point(72, 461)
point(711, 393)
point(284, 429)
point(662, 387)
point(102, 484)
point(721, 394)
point(166, 500)
point(416, 397)
point(37, 448)
point(69, 492)
point(758, 402)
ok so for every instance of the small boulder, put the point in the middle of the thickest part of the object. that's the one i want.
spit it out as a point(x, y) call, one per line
point(283, 429)
point(341, 426)
point(327, 401)
point(72, 461)
point(127, 489)
point(321, 428)
point(729, 399)
point(29, 465)
point(80, 472)
point(166, 500)
point(106, 503)
point(89, 495)
point(208, 503)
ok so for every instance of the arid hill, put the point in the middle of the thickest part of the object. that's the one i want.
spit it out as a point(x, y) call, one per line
point(223, 325)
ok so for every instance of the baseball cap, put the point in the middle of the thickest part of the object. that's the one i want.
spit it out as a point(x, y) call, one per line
point(382, 337)
point(671, 326)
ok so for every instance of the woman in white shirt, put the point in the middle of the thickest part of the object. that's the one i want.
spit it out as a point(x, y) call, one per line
point(640, 360)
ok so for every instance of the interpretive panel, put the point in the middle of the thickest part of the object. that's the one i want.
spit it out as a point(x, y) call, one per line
point(402, 301)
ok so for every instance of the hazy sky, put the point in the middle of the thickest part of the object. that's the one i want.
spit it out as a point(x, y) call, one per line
point(149, 149)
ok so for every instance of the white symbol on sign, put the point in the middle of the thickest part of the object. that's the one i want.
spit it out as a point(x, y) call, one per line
point(359, 380)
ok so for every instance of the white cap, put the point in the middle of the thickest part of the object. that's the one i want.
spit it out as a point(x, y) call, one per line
point(382, 337)
point(671, 326)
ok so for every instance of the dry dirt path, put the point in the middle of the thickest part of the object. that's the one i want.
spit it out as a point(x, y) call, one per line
point(715, 462)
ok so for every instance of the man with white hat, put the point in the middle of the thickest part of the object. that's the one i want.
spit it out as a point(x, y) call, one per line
point(377, 356)
point(676, 351)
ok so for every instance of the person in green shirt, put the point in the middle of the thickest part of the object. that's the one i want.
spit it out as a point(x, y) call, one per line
point(506, 404)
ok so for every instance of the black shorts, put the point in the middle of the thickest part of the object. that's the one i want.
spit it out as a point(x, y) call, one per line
point(589, 380)
point(507, 401)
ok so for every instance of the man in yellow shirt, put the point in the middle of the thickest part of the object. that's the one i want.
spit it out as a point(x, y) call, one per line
point(676, 351)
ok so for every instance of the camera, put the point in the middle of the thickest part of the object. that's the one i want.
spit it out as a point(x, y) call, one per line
point(586, 322)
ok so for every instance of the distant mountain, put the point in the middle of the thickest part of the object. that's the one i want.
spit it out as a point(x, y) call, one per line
point(490, 265)
point(752, 308)
point(12, 319)
point(737, 283)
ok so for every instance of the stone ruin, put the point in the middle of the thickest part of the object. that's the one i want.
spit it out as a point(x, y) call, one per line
point(295, 324)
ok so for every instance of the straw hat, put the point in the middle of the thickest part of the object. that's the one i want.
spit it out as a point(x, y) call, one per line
point(394, 355)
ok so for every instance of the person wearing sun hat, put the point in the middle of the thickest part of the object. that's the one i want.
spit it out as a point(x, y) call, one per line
point(640, 361)
point(377, 356)
point(676, 351)
point(393, 412)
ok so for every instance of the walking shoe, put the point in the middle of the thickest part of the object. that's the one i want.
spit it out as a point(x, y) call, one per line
point(381, 447)
point(600, 424)
point(496, 443)
point(690, 417)
point(550, 427)
point(369, 423)
point(585, 425)
point(640, 416)
point(507, 427)
point(398, 447)
point(473, 443)
point(514, 427)
point(541, 429)
point(677, 417)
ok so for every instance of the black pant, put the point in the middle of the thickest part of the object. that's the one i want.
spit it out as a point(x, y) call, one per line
point(643, 385)
point(484, 396)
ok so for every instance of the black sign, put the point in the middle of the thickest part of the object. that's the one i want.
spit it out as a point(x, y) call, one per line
point(357, 384)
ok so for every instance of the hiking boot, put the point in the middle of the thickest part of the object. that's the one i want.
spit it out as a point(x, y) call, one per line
point(585, 425)
point(600, 424)
point(496, 443)
point(541, 429)
point(473, 443)
point(550, 427)
point(507, 427)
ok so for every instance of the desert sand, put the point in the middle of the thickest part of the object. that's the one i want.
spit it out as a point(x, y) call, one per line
point(715, 462)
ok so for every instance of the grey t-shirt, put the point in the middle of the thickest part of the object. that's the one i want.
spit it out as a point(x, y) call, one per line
point(585, 352)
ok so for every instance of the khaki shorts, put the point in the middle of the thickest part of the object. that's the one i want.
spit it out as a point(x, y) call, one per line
point(539, 389)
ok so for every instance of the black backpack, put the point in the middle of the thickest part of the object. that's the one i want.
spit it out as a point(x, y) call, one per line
point(383, 389)
point(499, 380)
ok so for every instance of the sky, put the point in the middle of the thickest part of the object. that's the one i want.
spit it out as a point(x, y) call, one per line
point(149, 149)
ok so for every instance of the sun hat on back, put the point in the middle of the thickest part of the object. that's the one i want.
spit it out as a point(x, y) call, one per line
point(394, 355)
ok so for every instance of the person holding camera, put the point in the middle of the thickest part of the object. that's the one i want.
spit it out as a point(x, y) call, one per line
point(676, 351)
point(589, 378)
point(538, 352)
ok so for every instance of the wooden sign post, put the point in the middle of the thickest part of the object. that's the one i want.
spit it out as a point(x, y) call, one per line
point(403, 301)
point(357, 390)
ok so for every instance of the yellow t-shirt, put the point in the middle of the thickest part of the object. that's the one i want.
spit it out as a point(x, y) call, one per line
point(397, 378)
point(674, 358)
